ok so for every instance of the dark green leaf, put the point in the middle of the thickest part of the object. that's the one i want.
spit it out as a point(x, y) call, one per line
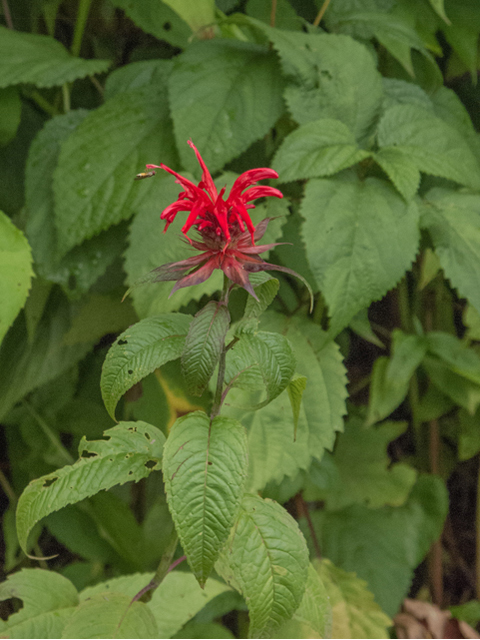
point(10, 112)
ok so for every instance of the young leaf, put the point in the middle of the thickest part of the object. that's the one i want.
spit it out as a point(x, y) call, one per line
point(317, 149)
point(368, 238)
point(40, 60)
point(140, 350)
point(93, 183)
point(203, 345)
point(264, 358)
point(224, 94)
point(400, 169)
point(295, 390)
point(15, 272)
point(111, 615)
point(267, 559)
point(205, 466)
point(48, 600)
point(132, 451)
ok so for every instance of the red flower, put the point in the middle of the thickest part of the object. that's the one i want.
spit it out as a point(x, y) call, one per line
point(227, 234)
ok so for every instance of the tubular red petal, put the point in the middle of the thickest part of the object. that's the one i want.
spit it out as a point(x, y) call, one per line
point(171, 211)
point(191, 189)
point(249, 178)
point(206, 177)
point(260, 192)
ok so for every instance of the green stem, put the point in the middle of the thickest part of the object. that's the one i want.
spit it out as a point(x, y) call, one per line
point(273, 13)
point(49, 433)
point(404, 305)
point(217, 401)
point(321, 13)
point(37, 97)
point(165, 565)
point(477, 538)
point(66, 97)
point(7, 488)
point(82, 15)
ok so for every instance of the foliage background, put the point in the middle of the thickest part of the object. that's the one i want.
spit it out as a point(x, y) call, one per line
point(371, 121)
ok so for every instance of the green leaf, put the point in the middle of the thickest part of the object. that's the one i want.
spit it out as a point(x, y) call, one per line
point(296, 388)
point(285, 15)
point(452, 221)
point(313, 618)
point(48, 600)
point(196, 13)
point(40, 60)
point(93, 183)
point(111, 615)
point(205, 466)
point(136, 75)
point(265, 292)
point(369, 237)
point(203, 345)
point(267, 559)
point(384, 546)
point(430, 144)
point(140, 350)
point(224, 95)
point(10, 113)
point(469, 436)
point(438, 7)
point(400, 169)
point(15, 272)
point(316, 149)
point(132, 451)
point(158, 19)
point(355, 612)
point(468, 611)
point(363, 470)
point(391, 377)
point(258, 359)
point(462, 360)
point(464, 393)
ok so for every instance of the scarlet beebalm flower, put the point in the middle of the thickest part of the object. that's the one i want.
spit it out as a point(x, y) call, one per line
point(227, 235)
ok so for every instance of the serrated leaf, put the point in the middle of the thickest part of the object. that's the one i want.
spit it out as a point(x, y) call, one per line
point(203, 345)
point(132, 451)
point(224, 95)
point(10, 114)
point(93, 183)
point(452, 220)
point(368, 238)
point(267, 558)
point(285, 15)
point(431, 144)
point(400, 169)
point(40, 60)
point(265, 292)
point(48, 599)
point(317, 149)
point(295, 389)
point(261, 359)
point(205, 466)
point(140, 350)
point(136, 75)
point(354, 611)
point(15, 272)
point(111, 615)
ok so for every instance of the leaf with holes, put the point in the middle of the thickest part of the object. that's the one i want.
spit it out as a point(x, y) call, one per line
point(266, 557)
point(140, 350)
point(203, 345)
point(131, 452)
point(204, 468)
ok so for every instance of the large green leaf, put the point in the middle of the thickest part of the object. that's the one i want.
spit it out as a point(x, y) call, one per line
point(40, 60)
point(429, 143)
point(140, 350)
point(224, 95)
point(111, 615)
point(135, 75)
point(267, 559)
point(131, 452)
point(316, 149)
point(93, 183)
point(400, 169)
point(15, 272)
point(203, 345)
point(205, 466)
point(360, 237)
point(453, 222)
point(196, 13)
point(354, 611)
point(48, 600)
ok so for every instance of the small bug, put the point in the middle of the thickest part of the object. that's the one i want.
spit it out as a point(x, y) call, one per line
point(146, 174)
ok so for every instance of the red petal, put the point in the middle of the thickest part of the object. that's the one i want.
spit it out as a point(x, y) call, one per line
point(192, 191)
point(249, 178)
point(206, 177)
point(260, 192)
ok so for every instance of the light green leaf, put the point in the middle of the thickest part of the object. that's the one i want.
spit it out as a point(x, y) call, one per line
point(158, 19)
point(295, 389)
point(471, 319)
point(260, 359)
point(140, 350)
point(400, 169)
point(368, 238)
point(265, 292)
point(354, 610)
point(111, 615)
point(316, 149)
point(431, 144)
point(224, 95)
point(469, 436)
point(48, 600)
point(15, 272)
point(468, 611)
point(462, 360)
point(203, 345)
point(132, 451)
point(196, 13)
point(458, 388)
point(40, 60)
point(10, 113)
point(439, 8)
point(205, 466)
point(452, 220)
point(267, 558)
point(93, 183)
point(285, 15)
point(136, 75)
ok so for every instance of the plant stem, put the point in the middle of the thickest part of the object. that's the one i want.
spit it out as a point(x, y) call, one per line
point(49, 433)
point(7, 14)
point(82, 15)
point(66, 97)
point(217, 401)
point(477, 537)
point(7, 488)
point(321, 13)
point(435, 559)
point(165, 566)
point(37, 97)
point(273, 12)
point(302, 510)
